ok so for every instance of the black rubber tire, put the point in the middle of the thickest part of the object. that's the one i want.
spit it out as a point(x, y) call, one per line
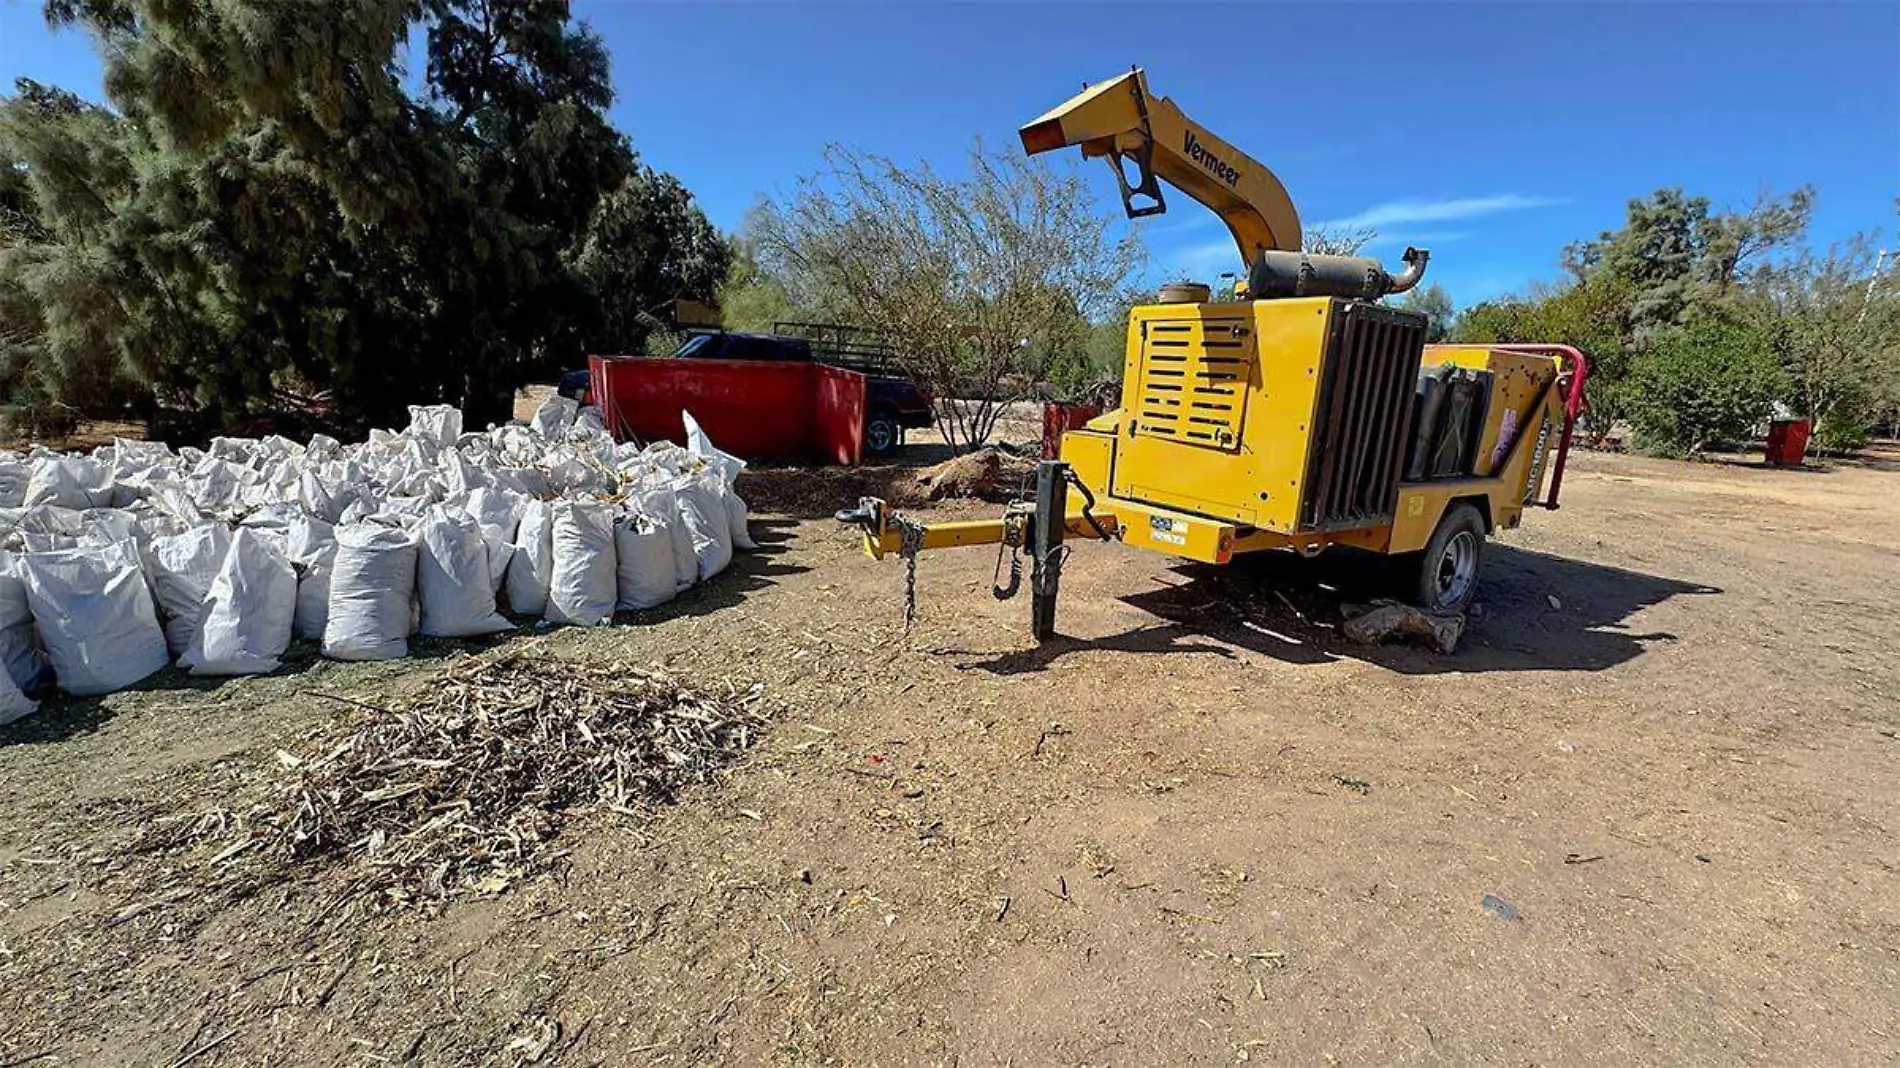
point(1443, 579)
point(882, 434)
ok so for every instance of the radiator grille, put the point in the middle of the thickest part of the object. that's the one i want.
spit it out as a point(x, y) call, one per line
point(1194, 379)
point(1364, 416)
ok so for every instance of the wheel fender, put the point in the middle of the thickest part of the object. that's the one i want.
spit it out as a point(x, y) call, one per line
point(1480, 501)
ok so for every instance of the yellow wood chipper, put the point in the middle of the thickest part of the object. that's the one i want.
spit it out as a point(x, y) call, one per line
point(1300, 415)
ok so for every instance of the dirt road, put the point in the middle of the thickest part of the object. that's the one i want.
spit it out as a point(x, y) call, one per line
point(1202, 828)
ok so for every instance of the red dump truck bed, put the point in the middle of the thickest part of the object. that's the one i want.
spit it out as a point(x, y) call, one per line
point(759, 410)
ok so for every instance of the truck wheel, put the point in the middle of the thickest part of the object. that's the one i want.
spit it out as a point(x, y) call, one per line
point(882, 435)
point(1444, 578)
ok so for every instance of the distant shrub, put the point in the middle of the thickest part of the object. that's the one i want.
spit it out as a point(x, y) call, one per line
point(1842, 432)
point(1701, 384)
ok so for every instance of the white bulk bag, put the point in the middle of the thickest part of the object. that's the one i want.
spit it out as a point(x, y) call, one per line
point(20, 652)
point(584, 585)
point(168, 497)
point(68, 481)
point(437, 424)
point(701, 446)
point(216, 485)
point(527, 481)
point(646, 574)
point(14, 476)
point(312, 551)
point(402, 511)
point(95, 618)
point(322, 447)
point(663, 507)
point(248, 612)
point(729, 466)
point(498, 512)
point(367, 503)
point(531, 568)
point(274, 519)
point(236, 450)
point(555, 416)
point(372, 582)
point(458, 597)
point(108, 526)
point(14, 704)
point(182, 568)
point(316, 498)
point(703, 509)
point(740, 521)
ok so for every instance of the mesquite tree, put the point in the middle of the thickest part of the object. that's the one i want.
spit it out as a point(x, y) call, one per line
point(981, 282)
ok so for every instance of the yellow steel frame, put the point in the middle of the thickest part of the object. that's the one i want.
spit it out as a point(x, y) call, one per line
point(1515, 444)
point(890, 537)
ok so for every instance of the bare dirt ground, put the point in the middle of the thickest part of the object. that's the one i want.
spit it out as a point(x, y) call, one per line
point(1202, 828)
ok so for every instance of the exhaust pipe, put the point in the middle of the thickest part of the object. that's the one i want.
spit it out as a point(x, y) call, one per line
point(1301, 274)
point(1414, 260)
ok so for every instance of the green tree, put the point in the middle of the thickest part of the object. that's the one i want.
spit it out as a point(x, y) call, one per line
point(266, 208)
point(1708, 382)
point(980, 282)
point(750, 298)
point(645, 246)
point(1674, 257)
point(1589, 315)
point(1431, 300)
point(1835, 322)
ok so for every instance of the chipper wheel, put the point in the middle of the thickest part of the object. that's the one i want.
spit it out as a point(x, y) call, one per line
point(1444, 577)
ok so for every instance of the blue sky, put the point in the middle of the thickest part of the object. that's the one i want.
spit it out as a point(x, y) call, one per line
point(1493, 133)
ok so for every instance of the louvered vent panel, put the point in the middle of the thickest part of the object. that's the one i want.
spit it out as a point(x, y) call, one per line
point(1194, 379)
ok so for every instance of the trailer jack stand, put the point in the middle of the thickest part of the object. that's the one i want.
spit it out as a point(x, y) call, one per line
point(1047, 551)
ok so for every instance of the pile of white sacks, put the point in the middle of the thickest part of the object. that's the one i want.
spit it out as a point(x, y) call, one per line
point(117, 562)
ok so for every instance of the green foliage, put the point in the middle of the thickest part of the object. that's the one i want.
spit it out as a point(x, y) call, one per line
point(1674, 258)
point(981, 283)
point(1677, 262)
point(1843, 432)
point(267, 210)
point(1090, 370)
point(1694, 386)
point(645, 241)
point(1834, 319)
point(661, 343)
point(751, 299)
point(1588, 315)
point(1432, 300)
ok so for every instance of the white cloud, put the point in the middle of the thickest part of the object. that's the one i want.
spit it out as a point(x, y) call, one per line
point(1202, 262)
point(1423, 238)
point(1402, 212)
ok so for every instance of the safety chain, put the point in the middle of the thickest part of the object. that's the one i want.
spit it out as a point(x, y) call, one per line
point(1012, 546)
point(910, 543)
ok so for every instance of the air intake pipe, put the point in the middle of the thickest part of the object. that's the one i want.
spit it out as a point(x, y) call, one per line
point(1302, 274)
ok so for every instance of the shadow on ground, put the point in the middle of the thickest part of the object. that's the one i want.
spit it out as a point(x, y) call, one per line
point(1536, 612)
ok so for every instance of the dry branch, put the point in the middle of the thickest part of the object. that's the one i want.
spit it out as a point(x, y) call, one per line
point(459, 790)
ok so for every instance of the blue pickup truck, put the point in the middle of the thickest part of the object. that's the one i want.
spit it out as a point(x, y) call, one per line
point(893, 404)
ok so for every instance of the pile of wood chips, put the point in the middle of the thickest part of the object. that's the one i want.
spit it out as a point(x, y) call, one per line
point(460, 790)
